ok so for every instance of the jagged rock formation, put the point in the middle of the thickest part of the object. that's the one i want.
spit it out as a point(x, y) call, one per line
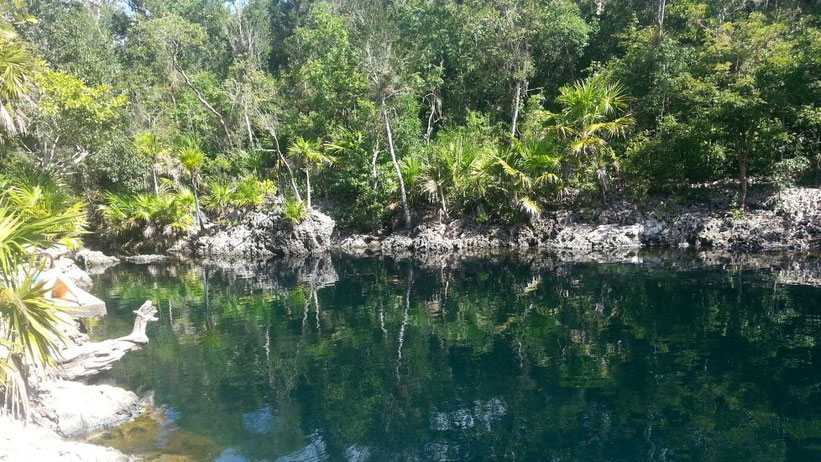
point(263, 234)
point(790, 219)
point(28, 442)
point(94, 262)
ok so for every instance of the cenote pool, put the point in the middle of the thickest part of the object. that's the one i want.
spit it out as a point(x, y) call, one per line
point(505, 358)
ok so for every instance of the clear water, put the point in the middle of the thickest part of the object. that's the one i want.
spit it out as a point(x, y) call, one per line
point(499, 359)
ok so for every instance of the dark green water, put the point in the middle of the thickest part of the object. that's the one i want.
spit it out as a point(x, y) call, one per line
point(491, 360)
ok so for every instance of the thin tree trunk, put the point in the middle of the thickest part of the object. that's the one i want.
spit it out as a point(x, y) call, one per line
point(154, 179)
point(662, 8)
point(442, 198)
point(200, 97)
point(196, 202)
point(287, 166)
point(374, 174)
point(308, 185)
point(290, 174)
point(396, 167)
point(248, 124)
point(516, 100)
point(742, 178)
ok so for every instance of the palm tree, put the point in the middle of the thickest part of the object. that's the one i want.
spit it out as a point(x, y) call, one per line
point(457, 171)
point(29, 325)
point(589, 119)
point(17, 68)
point(147, 144)
point(309, 158)
point(192, 159)
point(530, 165)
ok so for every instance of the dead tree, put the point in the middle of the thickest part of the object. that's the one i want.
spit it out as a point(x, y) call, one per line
point(88, 359)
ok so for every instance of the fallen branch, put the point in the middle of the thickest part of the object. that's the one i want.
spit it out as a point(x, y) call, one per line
point(86, 360)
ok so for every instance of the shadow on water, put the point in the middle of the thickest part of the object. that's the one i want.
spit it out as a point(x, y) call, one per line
point(650, 356)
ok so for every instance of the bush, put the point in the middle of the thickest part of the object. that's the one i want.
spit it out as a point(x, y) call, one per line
point(294, 210)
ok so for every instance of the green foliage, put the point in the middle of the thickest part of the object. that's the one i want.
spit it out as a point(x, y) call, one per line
point(125, 214)
point(33, 217)
point(499, 110)
point(244, 194)
point(17, 72)
point(32, 196)
point(294, 210)
point(456, 175)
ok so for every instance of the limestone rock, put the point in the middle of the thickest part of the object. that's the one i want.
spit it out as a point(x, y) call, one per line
point(266, 233)
point(75, 409)
point(94, 262)
point(146, 259)
point(72, 272)
point(30, 442)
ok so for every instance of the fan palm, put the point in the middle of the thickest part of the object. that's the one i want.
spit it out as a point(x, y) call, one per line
point(589, 119)
point(309, 157)
point(17, 69)
point(457, 172)
point(29, 323)
point(192, 159)
point(147, 144)
point(531, 166)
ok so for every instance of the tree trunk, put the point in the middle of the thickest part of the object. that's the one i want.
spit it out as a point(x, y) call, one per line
point(742, 178)
point(83, 361)
point(201, 98)
point(374, 174)
point(248, 124)
point(308, 186)
point(196, 202)
point(662, 8)
point(154, 179)
point(516, 100)
point(396, 167)
point(290, 174)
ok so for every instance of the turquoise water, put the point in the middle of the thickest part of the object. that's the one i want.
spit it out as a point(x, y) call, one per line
point(497, 359)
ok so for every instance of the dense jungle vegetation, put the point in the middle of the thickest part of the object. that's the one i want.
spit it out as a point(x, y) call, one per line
point(162, 115)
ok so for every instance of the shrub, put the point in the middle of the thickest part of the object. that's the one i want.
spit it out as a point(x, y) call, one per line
point(294, 210)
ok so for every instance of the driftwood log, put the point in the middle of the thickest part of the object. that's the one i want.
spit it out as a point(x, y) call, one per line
point(85, 360)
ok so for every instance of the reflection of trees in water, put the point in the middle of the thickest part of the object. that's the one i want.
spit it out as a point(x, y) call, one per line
point(488, 360)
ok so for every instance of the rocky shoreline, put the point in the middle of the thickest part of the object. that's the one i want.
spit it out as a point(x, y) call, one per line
point(65, 411)
point(785, 220)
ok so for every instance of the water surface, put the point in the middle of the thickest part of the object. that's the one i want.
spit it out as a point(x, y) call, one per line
point(499, 359)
